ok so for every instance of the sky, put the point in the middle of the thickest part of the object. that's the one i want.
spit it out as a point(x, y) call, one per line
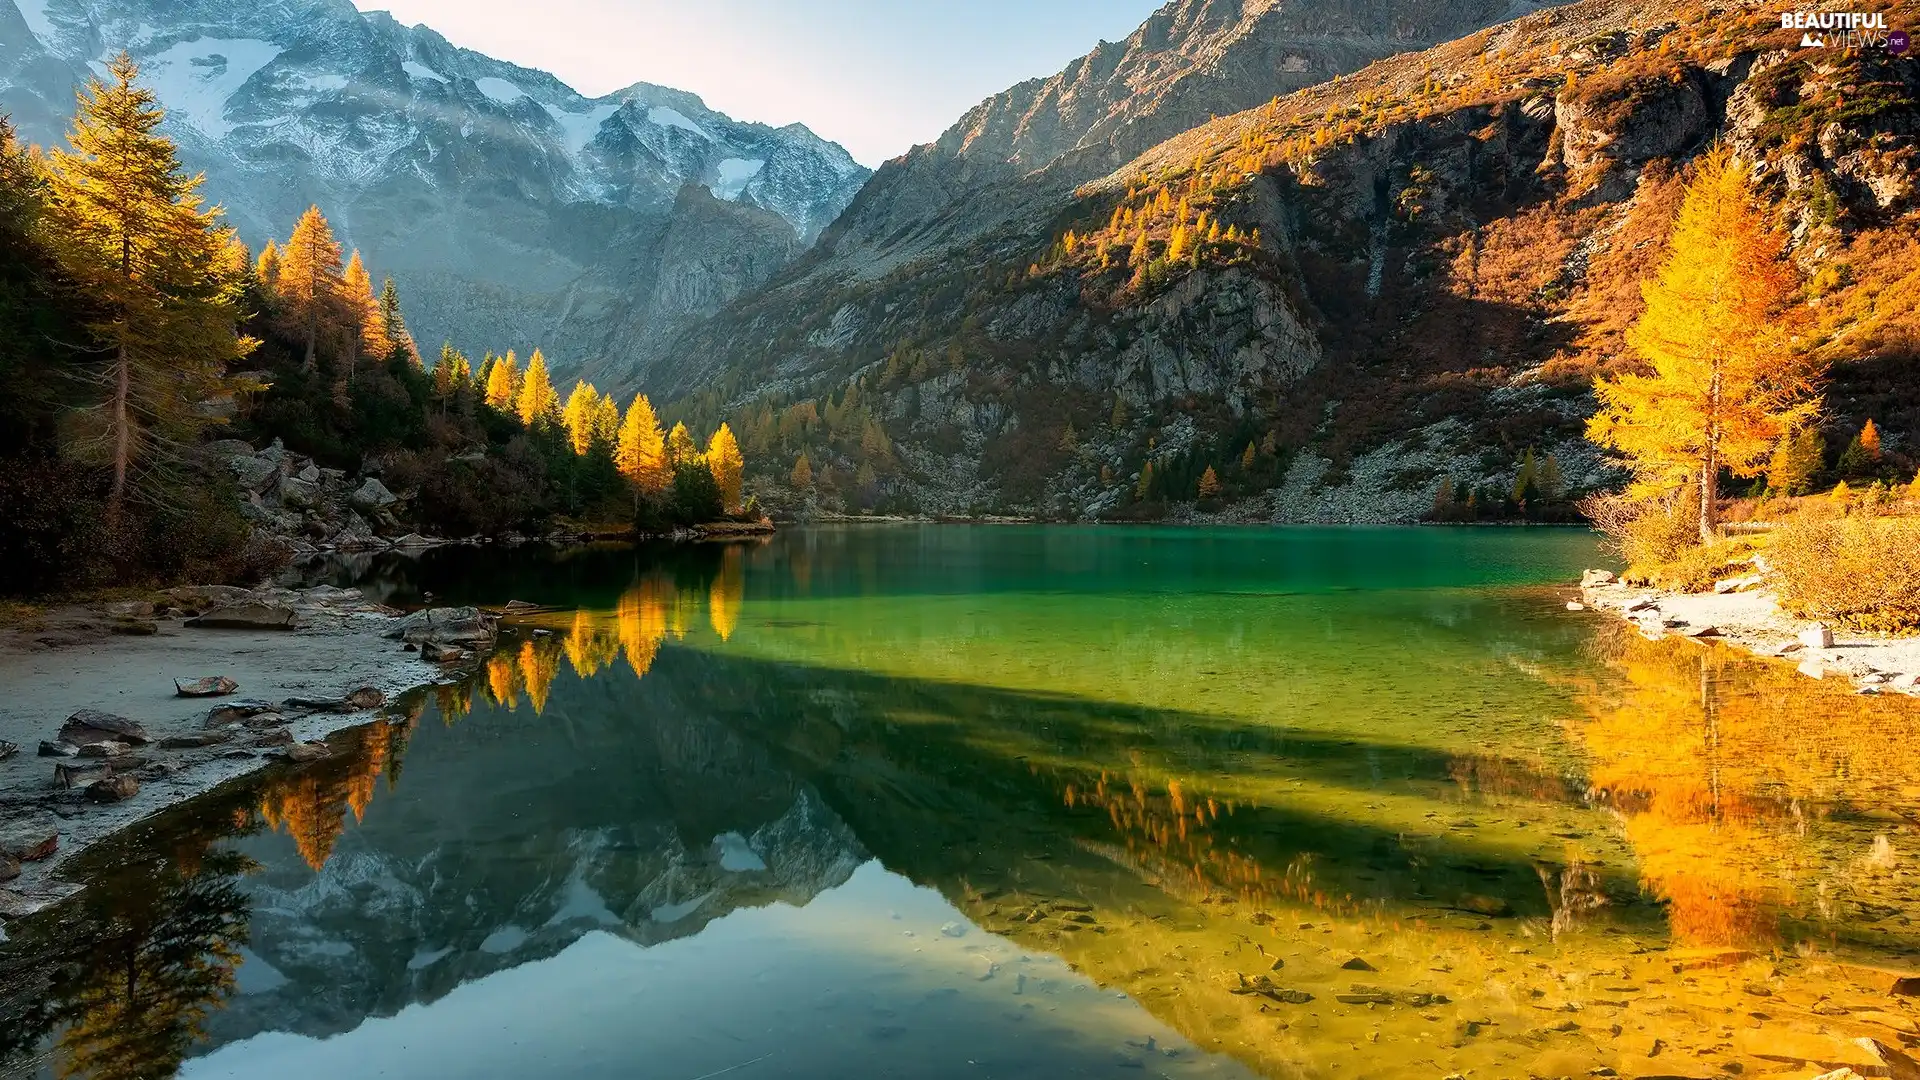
point(876, 76)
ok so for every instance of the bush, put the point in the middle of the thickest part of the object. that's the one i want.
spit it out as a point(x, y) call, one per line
point(1856, 571)
point(1697, 568)
point(1647, 534)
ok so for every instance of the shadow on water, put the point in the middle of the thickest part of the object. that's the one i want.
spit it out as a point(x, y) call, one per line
point(1576, 848)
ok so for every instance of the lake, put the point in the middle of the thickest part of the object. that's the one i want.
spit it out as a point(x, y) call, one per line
point(958, 801)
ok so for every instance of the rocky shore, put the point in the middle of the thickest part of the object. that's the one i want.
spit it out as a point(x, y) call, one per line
point(116, 711)
point(1743, 612)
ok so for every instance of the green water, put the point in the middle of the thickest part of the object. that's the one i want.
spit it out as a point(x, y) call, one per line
point(1034, 802)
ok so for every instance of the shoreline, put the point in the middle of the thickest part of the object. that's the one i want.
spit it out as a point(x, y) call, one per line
point(1748, 617)
point(100, 657)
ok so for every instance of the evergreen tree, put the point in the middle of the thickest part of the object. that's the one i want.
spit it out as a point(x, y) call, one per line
point(1525, 481)
point(1550, 481)
point(393, 326)
point(1862, 455)
point(641, 452)
point(537, 402)
point(127, 225)
point(311, 285)
point(723, 457)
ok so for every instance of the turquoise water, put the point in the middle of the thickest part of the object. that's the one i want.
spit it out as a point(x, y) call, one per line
point(1026, 802)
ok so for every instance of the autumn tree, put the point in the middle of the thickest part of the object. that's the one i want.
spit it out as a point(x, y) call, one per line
point(311, 283)
point(641, 452)
point(503, 383)
point(537, 402)
point(128, 226)
point(1725, 378)
point(723, 458)
point(1209, 484)
point(680, 447)
point(605, 423)
point(802, 476)
point(578, 416)
point(1795, 459)
point(267, 270)
point(1862, 455)
point(362, 311)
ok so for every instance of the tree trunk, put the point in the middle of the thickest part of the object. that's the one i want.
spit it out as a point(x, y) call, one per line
point(1710, 498)
point(313, 333)
point(122, 433)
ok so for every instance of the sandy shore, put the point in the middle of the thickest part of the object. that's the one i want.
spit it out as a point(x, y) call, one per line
point(1752, 620)
point(71, 659)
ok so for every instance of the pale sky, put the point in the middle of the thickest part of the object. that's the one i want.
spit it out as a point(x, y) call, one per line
point(876, 76)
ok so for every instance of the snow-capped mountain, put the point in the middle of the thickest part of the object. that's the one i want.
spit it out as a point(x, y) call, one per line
point(512, 209)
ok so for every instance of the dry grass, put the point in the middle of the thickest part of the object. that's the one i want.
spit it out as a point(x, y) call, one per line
point(1862, 572)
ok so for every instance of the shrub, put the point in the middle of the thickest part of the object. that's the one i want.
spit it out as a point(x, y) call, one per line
point(1858, 571)
point(1698, 567)
point(1647, 534)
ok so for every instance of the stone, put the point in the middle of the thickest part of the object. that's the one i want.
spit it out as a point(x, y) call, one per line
point(1575, 605)
point(298, 492)
point(1365, 995)
point(442, 654)
point(1817, 636)
point(1744, 583)
point(366, 697)
point(1644, 603)
point(1909, 681)
point(449, 626)
point(53, 748)
point(195, 740)
point(92, 725)
point(8, 749)
point(1825, 1051)
point(210, 686)
point(514, 607)
point(1813, 669)
point(307, 751)
point(372, 495)
point(1357, 964)
point(1598, 577)
point(1492, 906)
point(75, 776)
point(107, 749)
point(130, 609)
point(251, 615)
point(113, 789)
point(1905, 986)
point(229, 712)
point(9, 867)
point(1700, 631)
point(415, 540)
point(255, 474)
point(30, 839)
point(276, 737)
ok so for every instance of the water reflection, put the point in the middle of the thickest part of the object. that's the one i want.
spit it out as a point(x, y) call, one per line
point(1387, 832)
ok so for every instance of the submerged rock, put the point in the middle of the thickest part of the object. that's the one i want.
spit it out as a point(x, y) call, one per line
point(367, 697)
point(234, 711)
point(250, 615)
point(92, 726)
point(30, 839)
point(57, 748)
point(450, 626)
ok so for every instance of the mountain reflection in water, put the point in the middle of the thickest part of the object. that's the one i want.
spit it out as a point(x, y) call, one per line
point(791, 810)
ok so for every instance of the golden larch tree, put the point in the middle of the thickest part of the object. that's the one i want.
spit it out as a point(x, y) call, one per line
point(538, 402)
point(578, 416)
point(127, 225)
point(641, 452)
point(311, 284)
point(503, 383)
point(606, 422)
point(267, 270)
point(681, 449)
point(1209, 484)
point(362, 310)
point(727, 466)
point(802, 476)
point(1725, 377)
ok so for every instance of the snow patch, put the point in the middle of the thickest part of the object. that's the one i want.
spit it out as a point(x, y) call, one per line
point(736, 856)
point(734, 173)
point(499, 90)
point(38, 21)
point(418, 70)
point(504, 940)
point(323, 84)
point(195, 79)
point(578, 129)
point(665, 117)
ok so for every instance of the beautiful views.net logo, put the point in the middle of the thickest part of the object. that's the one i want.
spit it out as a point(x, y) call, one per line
point(1845, 30)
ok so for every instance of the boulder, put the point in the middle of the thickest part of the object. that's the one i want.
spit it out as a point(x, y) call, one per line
point(230, 712)
point(1597, 577)
point(415, 540)
point(255, 474)
point(30, 839)
point(8, 749)
point(1575, 605)
point(1817, 636)
point(53, 748)
point(297, 492)
point(202, 597)
point(309, 473)
point(113, 789)
point(276, 737)
point(1813, 669)
point(1744, 583)
point(449, 626)
point(366, 697)
point(79, 776)
point(104, 749)
point(372, 495)
point(195, 740)
point(442, 654)
point(211, 686)
point(307, 751)
point(251, 615)
point(93, 726)
point(9, 867)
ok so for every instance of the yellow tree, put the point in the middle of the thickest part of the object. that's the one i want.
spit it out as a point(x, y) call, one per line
point(641, 452)
point(1210, 484)
point(161, 286)
point(578, 416)
point(606, 422)
point(681, 449)
point(802, 476)
point(361, 308)
point(724, 461)
point(268, 269)
point(310, 281)
point(537, 401)
point(503, 383)
point(1727, 379)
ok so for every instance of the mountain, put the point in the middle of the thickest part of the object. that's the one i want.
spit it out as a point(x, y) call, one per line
point(512, 210)
point(1421, 265)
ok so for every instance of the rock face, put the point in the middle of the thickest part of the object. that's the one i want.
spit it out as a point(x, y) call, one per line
point(445, 626)
point(512, 210)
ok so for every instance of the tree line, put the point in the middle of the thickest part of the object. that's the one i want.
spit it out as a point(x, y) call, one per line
point(135, 324)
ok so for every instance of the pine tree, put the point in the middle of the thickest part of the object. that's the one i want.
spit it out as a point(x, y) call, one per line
point(127, 225)
point(1550, 481)
point(1526, 480)
point(724, 461)
point(537, 403)
point(1209, 484)
point(1862, 455)
point(1870, 441)
point(578, 416)
point(1725, 381)
point(802, 476)
point(310, 282)
point(446, 379)
point(503, 383)
point(393, 326)
point(680, 447)
point(1796, 458)
point(641, 453)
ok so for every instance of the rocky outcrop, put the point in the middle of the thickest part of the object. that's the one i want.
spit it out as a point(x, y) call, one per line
point(313, 509)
